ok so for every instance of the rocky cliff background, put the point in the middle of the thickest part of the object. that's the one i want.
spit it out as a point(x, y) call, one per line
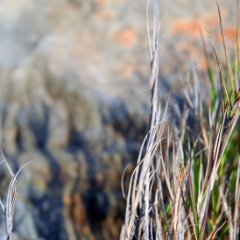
point(74, 97)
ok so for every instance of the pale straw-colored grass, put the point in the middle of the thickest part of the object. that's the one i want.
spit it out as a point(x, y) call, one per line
point(8, 208)
point(181, 187)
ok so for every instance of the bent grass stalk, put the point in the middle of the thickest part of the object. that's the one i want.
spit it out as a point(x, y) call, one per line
point(8, 210)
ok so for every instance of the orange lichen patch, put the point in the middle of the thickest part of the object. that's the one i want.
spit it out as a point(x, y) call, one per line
point(230, 32)
point(229, 35)
point(127, 36)
point(186, 26)
point(192, 27)
point(106, 15)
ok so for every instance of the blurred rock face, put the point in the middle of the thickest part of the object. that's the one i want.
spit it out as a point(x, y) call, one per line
point(61, 74)
point(74, 97)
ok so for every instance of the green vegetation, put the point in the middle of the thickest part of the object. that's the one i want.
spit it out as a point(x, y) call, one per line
point(186, 182)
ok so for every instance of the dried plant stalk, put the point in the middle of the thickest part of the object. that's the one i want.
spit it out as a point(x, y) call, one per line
point(8, 210)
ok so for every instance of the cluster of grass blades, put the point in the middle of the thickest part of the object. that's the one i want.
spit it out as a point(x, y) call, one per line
point(8, 208)
point(190, 188)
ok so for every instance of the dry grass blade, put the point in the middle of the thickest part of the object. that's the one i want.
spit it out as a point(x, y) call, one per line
point(137, 219)
point(178, 189)
point(8, 210)
point(233, 83)
point(223, 84)
point(237, 203)
point(213, 234)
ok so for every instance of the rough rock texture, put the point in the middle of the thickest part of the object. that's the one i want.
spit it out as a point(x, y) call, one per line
point(74, 97)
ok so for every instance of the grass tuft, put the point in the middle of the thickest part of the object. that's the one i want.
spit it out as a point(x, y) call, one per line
point(186, 182)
